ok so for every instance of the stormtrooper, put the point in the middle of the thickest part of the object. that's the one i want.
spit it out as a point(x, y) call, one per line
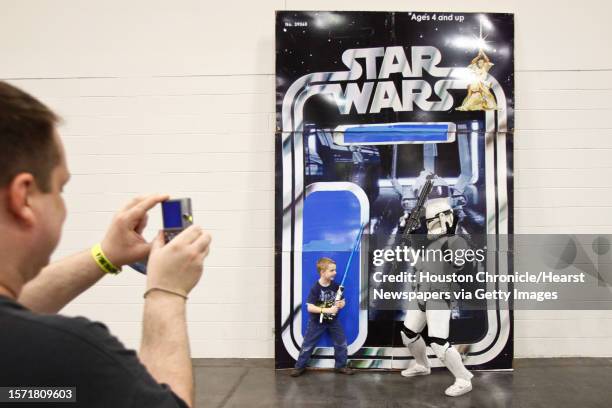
point(441, 225)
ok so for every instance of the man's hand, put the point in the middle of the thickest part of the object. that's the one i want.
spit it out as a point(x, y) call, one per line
point(341, 303)
point(123, 242)
point(64, 280)
point(177, 265)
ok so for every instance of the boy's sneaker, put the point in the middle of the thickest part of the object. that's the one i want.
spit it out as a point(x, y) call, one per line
point(296, 372)
point(460, 387)
point(416, 369)
point(345, 370)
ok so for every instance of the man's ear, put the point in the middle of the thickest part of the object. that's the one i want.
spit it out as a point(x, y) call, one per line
point(19, 197)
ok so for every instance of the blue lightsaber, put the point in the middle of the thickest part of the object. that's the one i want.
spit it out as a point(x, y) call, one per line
point(346, 269)
point(355, 245)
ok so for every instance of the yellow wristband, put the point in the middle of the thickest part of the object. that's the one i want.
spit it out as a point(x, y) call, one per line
point(102, 261)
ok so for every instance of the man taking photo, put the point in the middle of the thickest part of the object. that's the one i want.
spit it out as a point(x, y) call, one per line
point(39, 348)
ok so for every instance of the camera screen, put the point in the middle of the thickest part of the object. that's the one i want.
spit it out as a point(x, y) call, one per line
point(171, 213)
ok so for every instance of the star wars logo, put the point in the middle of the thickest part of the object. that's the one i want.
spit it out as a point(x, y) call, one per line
point(379, 91)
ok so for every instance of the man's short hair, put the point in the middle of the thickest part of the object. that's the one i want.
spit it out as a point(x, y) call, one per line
point(323, 263)
point(27, 144)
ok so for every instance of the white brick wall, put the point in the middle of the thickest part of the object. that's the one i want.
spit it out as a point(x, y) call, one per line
point(178, 97)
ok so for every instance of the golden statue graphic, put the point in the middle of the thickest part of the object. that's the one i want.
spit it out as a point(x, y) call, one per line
point(479, 95)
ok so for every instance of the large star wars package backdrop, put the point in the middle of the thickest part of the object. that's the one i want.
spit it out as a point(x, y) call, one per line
point(370, 105)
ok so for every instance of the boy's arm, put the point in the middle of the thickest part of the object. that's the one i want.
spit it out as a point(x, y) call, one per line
point(313, 295)
point(314, 309)
point(318, 309)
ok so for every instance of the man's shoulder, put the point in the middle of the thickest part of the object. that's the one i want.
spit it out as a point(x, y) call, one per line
point(61, 350)
point(77, 328)
point(77, 337)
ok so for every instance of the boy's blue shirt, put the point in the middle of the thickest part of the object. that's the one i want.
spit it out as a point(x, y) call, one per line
point(322, 296)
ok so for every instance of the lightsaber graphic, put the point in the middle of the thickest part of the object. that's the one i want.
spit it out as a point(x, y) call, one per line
point(395, 133)
point(346, 269)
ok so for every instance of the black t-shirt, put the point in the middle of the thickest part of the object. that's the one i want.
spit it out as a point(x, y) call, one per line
point(322, 296)
point(58, 351)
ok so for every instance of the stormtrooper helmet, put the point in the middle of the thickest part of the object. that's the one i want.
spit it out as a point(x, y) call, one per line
point(439, 216)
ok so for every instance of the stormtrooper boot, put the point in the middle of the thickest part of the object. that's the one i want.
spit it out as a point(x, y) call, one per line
point(418, 349)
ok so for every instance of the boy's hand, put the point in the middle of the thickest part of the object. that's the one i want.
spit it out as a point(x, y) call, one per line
point(332, 310)
point(340, 304)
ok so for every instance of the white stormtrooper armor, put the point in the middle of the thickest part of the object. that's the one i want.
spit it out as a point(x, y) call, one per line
point(438, 216)
point(435, 313)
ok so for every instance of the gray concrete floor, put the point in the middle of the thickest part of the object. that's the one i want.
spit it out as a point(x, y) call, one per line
point(569, 382)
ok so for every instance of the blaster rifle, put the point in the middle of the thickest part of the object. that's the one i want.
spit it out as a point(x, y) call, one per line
point(413, 221)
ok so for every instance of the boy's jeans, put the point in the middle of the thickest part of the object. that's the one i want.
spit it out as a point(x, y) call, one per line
point(314, 332)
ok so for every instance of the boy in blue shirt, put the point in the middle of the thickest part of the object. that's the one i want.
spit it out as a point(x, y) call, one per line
point(321, 302)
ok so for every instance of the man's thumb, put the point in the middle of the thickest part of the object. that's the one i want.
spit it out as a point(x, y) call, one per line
point(158, 242)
